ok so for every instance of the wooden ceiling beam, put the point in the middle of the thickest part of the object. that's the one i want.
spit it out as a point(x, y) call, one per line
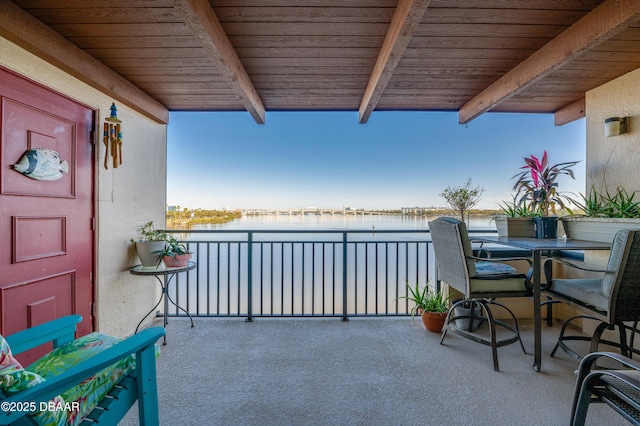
point(571, 112)
point(19, 27)
point(601, 23)
point(205, 25)
point(404, 22)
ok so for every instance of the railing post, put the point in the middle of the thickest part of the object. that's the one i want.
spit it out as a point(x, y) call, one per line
point(344, 276)
point(249, 276)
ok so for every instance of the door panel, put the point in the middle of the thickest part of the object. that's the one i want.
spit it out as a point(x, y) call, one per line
point(46, 236)
point(27, 128)
point(38, 237)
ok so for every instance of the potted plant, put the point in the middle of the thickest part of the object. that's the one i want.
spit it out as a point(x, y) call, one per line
point(174, 254)
point(603, 214)
point(462, 199)
point(463, 314)
point(436, 306)
point(149, 244)
point(432, 306)
point(537, 186)
point(516, 220)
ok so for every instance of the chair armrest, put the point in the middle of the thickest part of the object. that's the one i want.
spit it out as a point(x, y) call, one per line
point(585, 375)
point(573, 265)
point(589, 360)
point(58, 331)
point(142, 344)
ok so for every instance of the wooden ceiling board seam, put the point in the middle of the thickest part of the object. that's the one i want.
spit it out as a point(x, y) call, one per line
point(603, 22)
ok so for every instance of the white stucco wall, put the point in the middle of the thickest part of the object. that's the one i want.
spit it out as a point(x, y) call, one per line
point(613, 161)
point(126, 197)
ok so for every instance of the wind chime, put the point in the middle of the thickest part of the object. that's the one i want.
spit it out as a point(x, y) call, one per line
point(112, 138)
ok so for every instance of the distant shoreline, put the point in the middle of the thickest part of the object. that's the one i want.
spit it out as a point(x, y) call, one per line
point(186, 218)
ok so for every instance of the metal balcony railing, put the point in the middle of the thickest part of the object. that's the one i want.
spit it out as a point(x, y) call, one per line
point(285, 273)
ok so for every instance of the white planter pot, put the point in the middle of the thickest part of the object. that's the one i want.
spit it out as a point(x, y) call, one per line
point(464, 323)
point(596, 228)
point(515, 226)
point(147, 252)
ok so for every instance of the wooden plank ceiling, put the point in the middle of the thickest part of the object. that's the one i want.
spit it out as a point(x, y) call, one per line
point(470, 56)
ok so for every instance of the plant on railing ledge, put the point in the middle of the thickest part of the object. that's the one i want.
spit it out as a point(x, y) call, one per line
point(512, 209)
point(619, 205)
point(462, 198)
point(537, 184)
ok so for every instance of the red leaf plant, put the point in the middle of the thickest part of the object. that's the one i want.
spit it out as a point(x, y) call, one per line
point(537, 185)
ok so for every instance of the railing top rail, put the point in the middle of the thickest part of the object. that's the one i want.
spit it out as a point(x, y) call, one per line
point(314, 231)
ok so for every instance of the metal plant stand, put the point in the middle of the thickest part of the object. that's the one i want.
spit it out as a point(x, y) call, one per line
point(164, 277)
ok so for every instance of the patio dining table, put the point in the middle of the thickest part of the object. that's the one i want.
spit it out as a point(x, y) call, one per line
point(538, 247)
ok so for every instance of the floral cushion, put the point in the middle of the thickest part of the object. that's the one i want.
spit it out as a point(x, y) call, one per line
point(13, 378)
point(84, 397)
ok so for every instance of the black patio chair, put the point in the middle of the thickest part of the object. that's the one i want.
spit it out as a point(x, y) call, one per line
point(620, 389)
point(612, 300)
point(480, 281)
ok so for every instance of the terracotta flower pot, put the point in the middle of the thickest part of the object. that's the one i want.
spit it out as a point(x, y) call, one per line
point(434, 321)
point(178, 261)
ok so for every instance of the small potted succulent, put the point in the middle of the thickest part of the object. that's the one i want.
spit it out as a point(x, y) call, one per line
point(174, 255)
point(537, 186)
point(150, 242)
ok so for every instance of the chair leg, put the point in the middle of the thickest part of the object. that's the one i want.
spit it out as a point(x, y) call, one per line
point(579, 414)
point(515, 323)
point(450, 317)
point(625, 350)
point(492, 333)
point(595, 340)
point(634, 329)
point(485, 316)
point(447, 320)
point(560, 343)
point(549, 304)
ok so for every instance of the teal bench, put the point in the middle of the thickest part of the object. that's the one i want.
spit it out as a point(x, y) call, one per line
point(93, 379)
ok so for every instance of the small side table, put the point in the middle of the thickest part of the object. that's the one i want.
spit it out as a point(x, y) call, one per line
point(167, 274)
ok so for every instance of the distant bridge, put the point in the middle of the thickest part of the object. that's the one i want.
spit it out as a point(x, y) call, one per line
point(422, 211)
point(308, 211)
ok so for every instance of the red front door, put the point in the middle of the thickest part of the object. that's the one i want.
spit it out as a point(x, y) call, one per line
point(46, 207)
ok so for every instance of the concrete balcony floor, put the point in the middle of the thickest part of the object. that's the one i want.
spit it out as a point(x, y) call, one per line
point(386, 371)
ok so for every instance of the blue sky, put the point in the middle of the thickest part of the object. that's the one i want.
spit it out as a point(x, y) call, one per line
point(327, 159)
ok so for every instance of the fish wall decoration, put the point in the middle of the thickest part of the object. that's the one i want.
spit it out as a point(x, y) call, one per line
point(42, 164)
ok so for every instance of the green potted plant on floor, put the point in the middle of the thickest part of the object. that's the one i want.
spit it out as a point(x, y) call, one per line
point(151, 242)
point(537, 186)
point(432, 306)
point(436, 306)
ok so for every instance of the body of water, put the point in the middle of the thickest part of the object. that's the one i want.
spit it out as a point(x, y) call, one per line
point(338, 222)
point(309, 273)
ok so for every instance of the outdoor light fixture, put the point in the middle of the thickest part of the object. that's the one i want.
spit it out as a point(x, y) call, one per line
point(614, 126)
